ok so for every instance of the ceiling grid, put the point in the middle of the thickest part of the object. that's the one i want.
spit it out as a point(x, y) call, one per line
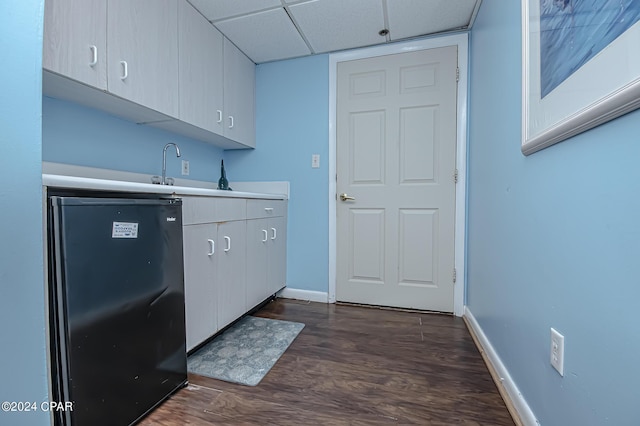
point(271, 30)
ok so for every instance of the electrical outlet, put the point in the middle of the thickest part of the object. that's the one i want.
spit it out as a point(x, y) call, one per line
point(185, 167)
point(315, 161)
point(557, 351)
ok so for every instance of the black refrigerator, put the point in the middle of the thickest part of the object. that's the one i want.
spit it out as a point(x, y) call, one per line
point(116, 289)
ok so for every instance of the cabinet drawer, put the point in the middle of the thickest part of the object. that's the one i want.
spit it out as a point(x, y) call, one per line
point(197, 210)
point(229, 209)
point(266, 208)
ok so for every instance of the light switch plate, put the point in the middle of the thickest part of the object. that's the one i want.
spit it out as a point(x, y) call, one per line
point(315, 161)
point(185, 167)
point(557, 351)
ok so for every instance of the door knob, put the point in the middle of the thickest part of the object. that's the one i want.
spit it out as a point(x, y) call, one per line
point(345, 197)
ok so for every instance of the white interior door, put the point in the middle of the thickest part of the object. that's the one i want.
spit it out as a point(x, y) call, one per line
point(396, 157)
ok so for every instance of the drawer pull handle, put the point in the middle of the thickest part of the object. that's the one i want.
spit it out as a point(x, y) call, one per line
point(94, 55)
point(212, 244)
point(268, 209)
point(125, 70)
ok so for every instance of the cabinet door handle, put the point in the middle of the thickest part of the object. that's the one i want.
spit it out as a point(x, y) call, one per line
point(212, 245)
point(219, 116)
point(125, 70)
point(275, 235)
point(228, 241)
point(94, 55)
point(266, 235)
point(231, 121)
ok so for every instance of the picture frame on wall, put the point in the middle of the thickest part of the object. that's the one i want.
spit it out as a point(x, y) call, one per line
point(580, 67)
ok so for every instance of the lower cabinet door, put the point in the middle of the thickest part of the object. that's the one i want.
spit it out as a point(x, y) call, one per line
point(231, 275)
point(277, 260)
point(258, 244)
point(200, 282)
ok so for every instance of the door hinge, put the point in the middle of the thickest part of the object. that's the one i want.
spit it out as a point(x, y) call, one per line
point(455, 176)
point(455, 275)
point(457, 75)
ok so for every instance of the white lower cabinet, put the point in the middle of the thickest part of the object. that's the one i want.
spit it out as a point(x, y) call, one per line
point(277, 265)
point(233, 258)
point(200, 284)
point(231, 271)
point(266, 249)
point(257, 261)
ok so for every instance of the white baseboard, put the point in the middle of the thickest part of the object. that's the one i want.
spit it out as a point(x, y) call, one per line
point(508, 385)
point(312, 296)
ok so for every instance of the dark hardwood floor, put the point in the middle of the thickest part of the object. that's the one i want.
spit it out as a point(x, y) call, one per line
point(353, 366)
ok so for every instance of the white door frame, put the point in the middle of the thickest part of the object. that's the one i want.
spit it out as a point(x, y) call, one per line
point(461, 40)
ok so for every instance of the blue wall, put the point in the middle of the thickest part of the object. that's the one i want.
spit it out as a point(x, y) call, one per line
point(22, 296)
point(552, 242)
point(292, 116)
point(73, 134)
point(292, 124)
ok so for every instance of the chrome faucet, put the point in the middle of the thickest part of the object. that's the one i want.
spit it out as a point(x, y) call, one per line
point(164, 161)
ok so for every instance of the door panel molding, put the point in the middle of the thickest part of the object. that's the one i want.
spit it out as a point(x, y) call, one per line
point(373, 244)
point(461, 41)
point(418, 233)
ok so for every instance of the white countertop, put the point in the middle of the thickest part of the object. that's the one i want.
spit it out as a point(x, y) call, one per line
point(60, 181)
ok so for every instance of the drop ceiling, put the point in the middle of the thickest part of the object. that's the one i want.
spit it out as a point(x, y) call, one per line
point(271, 30)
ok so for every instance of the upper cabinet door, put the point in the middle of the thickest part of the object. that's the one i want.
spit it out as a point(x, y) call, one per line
point(75, 40)
point(142, 38)
point(239, 96)
point(200, 70)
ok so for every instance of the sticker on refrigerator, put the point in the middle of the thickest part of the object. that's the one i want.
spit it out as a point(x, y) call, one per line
point(124, 230)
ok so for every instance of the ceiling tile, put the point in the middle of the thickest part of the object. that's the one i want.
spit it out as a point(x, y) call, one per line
point(410, 18)
point(220, 9)
point(330, 25)
point(265, 36)
point(262, 29)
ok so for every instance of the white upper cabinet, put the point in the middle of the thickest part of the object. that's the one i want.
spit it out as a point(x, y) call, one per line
point(165, 63)
point(75, 40)
point(201, 71)
point(217, 86)
point(142, 43)
point(239, 96)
